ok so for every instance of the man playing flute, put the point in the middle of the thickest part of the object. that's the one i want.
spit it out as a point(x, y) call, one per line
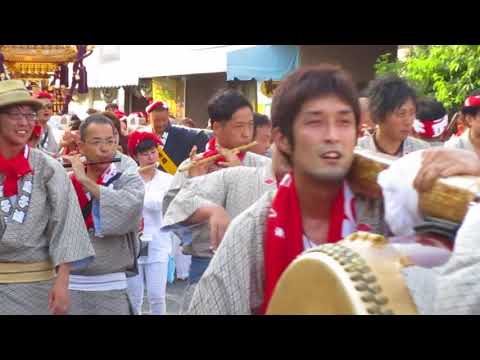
point(111, 198)
point(232, 123)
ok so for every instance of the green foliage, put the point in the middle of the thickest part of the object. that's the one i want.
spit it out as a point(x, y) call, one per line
point(447, 72)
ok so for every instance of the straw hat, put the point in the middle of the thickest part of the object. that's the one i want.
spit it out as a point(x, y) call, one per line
point(14, 92)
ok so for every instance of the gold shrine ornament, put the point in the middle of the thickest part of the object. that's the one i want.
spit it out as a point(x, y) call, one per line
point(37, 61)
point(268, 87)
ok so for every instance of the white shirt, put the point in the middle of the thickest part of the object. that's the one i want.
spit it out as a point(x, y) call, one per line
point(460, 142)
point(308, 244)
point(160, 245)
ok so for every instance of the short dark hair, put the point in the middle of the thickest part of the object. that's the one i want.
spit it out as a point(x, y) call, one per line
point(188, 122)
point(94, 119)
point(260, 120)
point(91, 111)
point(75, 122)
point(364, 92)
point(309, 83)
point(225, 103)
point(145, 145)
point(111, 106)
point(386, 94)
point(430, 109)
point(114, 120)
point(471, 110)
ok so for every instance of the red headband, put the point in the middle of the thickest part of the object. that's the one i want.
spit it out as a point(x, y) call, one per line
point(119, 114)
point(430, 128)
point(44, 95)
point(472, 101)
point(136, 137)
point(155, 105)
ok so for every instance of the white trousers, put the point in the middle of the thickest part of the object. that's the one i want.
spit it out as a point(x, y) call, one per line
point(154, 276)
point(182, 263)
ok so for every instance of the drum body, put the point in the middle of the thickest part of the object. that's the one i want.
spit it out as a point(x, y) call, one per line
point(360, 275)
point(449, 198)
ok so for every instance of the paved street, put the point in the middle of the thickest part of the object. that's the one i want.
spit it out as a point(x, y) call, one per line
point(174, 298)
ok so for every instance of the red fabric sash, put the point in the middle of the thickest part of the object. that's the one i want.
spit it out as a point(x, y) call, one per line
point(284, 231)
point(211, 150)
point(37, 131)
point(14, 169)
point(83, 199)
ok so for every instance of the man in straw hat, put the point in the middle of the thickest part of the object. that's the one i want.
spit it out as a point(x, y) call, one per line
point(44, 237)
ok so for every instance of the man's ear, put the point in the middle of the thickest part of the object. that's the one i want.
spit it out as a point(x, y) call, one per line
point(81, 147)
point(216, 127)
point(468, 120)
point(281, 142)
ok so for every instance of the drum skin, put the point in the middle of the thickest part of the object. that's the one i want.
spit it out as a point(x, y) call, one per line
point(359, 275)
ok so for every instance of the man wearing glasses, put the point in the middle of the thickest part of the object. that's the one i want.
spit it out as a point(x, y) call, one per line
point(110, 195)
point(42, 235)
point(46, 140)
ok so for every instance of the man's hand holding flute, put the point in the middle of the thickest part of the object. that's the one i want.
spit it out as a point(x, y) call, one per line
point(199, 165)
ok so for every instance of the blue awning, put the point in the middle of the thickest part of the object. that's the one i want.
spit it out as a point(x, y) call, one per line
point(265, 62)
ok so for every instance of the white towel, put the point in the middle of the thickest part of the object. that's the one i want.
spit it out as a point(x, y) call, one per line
point(400, 197)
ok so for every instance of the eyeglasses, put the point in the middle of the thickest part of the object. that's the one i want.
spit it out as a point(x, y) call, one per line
point(97, 143)
point(48, 106)
point(17, 116)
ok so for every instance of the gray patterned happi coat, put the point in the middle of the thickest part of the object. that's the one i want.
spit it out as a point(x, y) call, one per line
point(200, 236)
point(117, 250)
point(233, 282)
point(453, 288)
point(374, 208)
point(410, 144)
point(44, 224)
point(235, 189)
point(460, 142)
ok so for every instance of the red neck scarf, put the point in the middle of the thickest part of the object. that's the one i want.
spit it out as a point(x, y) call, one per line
point(211, 150)
point(37, 131)
point(284, 230)
point(84, 201)
point(14, 169)
point(460, 130)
